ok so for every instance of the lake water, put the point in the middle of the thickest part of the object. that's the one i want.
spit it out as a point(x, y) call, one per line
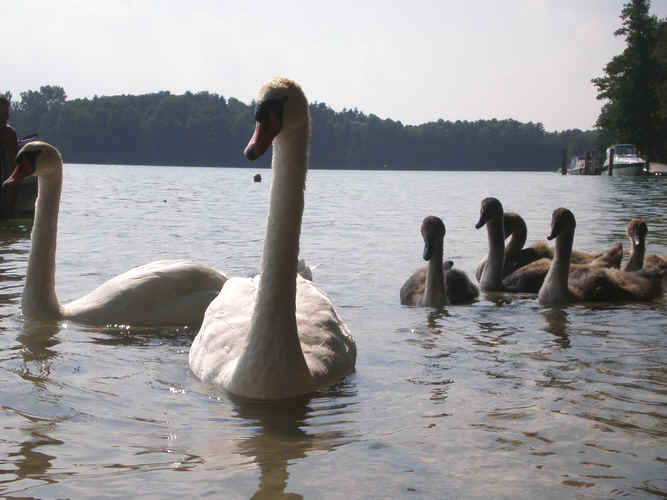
point(498, 399)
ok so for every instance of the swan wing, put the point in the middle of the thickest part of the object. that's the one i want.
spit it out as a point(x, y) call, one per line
point(223, 335)
point(529, 278)
point(603, 284)
point(161, 293)
point(459, 287)
point(412, 291)
point(328, 347)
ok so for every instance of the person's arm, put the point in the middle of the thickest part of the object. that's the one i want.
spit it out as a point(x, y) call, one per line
point(12, 145)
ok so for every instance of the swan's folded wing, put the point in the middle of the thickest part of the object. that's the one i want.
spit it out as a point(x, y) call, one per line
point(460, 289)
point(602, 284)
point(224, 332)
point(412, 291)
point(161, 293)
point(328, 347)
point(529, 278)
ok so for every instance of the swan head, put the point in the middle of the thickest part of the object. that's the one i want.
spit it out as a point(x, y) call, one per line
point(562, 221)
point(34, 159)
point(491, 209)
point(513, 223)
point(281, 106)
point(636, 230)
point(433, 232)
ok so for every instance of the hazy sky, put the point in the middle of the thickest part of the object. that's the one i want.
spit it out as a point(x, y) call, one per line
point(414, 61)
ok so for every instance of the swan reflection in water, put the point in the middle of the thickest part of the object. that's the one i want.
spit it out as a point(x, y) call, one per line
point(37, 340)
point(283, 433)
point(557, 323)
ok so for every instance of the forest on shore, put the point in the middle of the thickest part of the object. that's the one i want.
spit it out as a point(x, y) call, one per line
point(208, 129)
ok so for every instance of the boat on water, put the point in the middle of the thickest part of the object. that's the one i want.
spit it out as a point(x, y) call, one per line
point(626, 161)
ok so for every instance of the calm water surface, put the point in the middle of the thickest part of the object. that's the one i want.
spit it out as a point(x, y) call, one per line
point(498, 399)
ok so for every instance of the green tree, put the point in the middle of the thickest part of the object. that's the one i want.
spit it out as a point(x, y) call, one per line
point(36, 106)
point(631, 84)
point(207, 129)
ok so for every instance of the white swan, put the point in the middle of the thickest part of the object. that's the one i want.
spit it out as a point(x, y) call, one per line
point(162, 293)
point(275, 335)
point(590, 283)
point(436, 285)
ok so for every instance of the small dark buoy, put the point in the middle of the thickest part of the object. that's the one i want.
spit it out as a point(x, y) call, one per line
point(257, 178)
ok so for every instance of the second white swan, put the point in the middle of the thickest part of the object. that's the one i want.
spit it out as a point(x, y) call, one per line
point(162, 293)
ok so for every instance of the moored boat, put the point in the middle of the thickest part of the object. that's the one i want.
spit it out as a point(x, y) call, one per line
point(625, 161)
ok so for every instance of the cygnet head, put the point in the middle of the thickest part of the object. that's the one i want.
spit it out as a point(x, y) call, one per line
point(491, 209)
point(513, 222)
point(433, 231)
point(281, 107)
point(636, 230)
point(562, 221)
point(35, 158)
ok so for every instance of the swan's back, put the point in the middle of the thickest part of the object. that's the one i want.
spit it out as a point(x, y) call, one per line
point(656, 263)
point(529, 278)
point(541, 249)
point(459, 288)
point(161, 293)
point(600, 284)
point(610, 258)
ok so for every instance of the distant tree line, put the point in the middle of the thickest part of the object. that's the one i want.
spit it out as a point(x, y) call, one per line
point(207, 129)
point(635, 85)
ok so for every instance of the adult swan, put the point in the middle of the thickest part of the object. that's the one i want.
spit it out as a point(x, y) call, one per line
point(162, 293)
point(276, 335)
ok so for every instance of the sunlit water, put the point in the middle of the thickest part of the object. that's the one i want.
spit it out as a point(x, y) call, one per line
point(498, 399)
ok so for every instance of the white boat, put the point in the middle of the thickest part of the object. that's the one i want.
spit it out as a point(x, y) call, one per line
point(627, 161)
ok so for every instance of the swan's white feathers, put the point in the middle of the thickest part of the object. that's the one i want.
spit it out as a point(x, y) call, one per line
point(171, 292)
point(162, 293)
point(328, 348)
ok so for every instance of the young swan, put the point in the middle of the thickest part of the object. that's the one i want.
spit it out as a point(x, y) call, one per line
point(527, 278)
point(515, 255)
point(276, 335)
point(589, 283)
point(519, 257)
point(491, 215)
point(492, 277)
point(530, 277)
point(637, 231)
point(436, 285)
point(162, 293)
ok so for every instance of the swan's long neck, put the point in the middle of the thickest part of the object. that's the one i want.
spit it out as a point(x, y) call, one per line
point(274, 318)
point(516, 242)
point(555, 286)
point(39, 294)
point(492, 279)
point(636, 261)
point(435, 294)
